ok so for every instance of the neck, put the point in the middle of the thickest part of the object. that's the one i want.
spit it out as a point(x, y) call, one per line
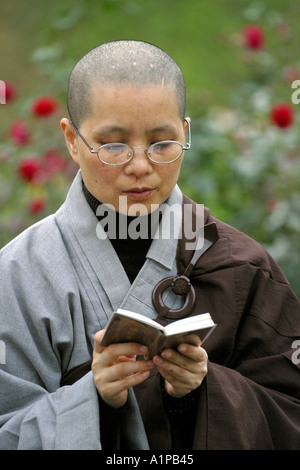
point(131, 252)
point(150, 221)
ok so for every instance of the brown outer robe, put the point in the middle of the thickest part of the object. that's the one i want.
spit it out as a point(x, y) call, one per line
point(250, 398)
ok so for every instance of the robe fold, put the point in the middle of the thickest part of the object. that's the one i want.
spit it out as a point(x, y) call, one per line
point(61, 279)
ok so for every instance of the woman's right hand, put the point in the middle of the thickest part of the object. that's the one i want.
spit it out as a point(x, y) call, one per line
point(116, 369)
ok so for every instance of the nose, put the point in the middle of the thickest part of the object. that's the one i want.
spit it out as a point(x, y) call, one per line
point(140, 164)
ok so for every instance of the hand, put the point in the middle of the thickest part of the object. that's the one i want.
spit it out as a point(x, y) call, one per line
point(116, 369)
point(183, 370)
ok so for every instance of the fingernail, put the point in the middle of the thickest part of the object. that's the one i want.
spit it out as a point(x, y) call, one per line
point(166, 354)
point(143, 349)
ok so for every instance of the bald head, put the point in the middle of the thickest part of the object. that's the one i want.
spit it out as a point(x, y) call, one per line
point(122, 63)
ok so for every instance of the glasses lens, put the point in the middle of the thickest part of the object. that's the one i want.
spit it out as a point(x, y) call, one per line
point(115, 153)
point(165, 151)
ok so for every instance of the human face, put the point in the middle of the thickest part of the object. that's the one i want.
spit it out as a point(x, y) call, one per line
point(137, 116)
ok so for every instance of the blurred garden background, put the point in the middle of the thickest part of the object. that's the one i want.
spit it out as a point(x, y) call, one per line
point(240, 59)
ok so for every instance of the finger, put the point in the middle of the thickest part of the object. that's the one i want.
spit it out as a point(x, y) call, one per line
point(172, 372)
point(132, 357)
point(97, 339)
point(188, 358)
point(115, 379)
point(126, 369)
point(110, 391)
point(196, 353)
point(107, 367)
point(172, 364)
point(182, 381)
point(112, 352)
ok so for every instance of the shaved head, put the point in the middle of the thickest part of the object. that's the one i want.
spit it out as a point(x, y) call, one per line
point(122, 63)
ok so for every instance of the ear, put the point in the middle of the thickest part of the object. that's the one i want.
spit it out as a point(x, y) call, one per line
point(185, 124)
point(70, 138)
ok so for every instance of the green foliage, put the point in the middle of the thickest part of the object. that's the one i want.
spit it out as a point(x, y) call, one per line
point(244, 167)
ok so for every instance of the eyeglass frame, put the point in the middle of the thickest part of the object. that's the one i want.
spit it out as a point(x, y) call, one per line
point(184, 147)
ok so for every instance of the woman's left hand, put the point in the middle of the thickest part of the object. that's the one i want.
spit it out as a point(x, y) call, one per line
point(183, 369)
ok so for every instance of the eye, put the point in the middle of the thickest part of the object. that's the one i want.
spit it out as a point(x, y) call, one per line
point(161, 146)
point(115, 147)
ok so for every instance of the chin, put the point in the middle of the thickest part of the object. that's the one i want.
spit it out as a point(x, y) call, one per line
point(139, 209)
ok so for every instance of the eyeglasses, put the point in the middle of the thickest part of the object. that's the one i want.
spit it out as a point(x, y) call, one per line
point(116, 153)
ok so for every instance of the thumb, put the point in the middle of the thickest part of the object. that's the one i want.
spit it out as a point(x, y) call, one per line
point(97, 340)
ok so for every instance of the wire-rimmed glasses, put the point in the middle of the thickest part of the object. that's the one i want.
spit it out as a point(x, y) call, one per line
point(117, 153)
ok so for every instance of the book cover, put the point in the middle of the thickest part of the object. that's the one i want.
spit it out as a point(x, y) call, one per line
point(125, 326)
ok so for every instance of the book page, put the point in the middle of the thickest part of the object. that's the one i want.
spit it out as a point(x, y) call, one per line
point(139, 317)
point(196, 322)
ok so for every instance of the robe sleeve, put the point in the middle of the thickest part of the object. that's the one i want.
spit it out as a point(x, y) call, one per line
point(42, 329)
point(65, 419)
point(253, 400)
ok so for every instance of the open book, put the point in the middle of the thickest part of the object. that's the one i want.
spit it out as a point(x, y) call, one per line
point(125, 326)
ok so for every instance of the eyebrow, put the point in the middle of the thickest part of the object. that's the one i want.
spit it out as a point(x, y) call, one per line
point(164, 128)
point(106, 130)
point(102, 131)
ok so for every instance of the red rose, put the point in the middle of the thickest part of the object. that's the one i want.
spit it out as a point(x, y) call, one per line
point(19, 133)
point(10, 92)
point(29, 169)
point(37, 205)
point(282, 115)
point(254, 37)
point(44, 106)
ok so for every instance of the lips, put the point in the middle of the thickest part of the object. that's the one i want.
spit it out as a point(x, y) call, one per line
point(139, 193)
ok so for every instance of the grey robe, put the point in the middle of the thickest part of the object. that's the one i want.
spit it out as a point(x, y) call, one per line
point(59, 283)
